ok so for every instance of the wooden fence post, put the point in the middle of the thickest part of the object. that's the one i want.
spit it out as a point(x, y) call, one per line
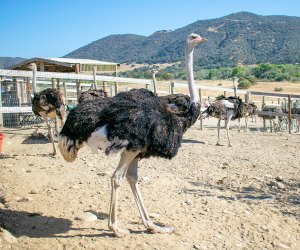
point(290, 113)
point(53, 83)
point(200, 99)
point(235, 80)
point(78, 90)
point(171, 88)
point(94, 76)
point(104, 86)
point(65, 91)
point(116, 88)
point(28, 90)
point(262, 106)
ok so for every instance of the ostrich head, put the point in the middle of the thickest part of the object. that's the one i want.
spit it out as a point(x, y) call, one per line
point(32, 66)
point(194, 39)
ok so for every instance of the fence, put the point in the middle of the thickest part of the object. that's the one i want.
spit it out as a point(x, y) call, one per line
point(16, 91)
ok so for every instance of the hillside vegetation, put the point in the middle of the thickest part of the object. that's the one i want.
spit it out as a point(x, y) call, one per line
point(248, 75)
point(240, 38)
point(6, 62)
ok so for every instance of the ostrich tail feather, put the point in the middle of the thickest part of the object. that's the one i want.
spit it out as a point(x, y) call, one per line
point(68, 148)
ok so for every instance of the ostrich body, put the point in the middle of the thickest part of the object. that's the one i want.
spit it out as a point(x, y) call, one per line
point(225, 108)
point(91, 94)
point(272, 118)
point(248, 109)
point(48, 103)
point(137, 124)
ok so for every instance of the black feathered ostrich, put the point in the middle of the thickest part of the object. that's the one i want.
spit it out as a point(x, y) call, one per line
point(91, 94)
point(137, 124)
point(48, 104)
point(227, 109)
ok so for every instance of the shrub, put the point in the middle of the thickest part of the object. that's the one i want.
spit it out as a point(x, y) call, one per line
point(244, 83)
point(278, 89)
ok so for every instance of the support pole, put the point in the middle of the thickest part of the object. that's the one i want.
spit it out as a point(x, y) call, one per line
point(290, 114)
point(34, 69)
point(28, 90)
point(94, 75)
point(235, 81)
point(78, 90)
point(53, 83)
point(200, 99)
point(171, 88)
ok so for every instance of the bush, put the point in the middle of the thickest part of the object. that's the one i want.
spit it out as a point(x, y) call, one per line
point(278, 89)
point(244, 83)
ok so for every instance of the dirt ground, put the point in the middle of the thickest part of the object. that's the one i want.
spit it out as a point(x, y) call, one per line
point(217, 197)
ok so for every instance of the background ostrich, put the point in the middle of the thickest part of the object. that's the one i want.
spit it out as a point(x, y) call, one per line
point(276, 126)
point(48, 104)
point(225, 108)
point(91, 94)
point(137, 124)
point(248, 109)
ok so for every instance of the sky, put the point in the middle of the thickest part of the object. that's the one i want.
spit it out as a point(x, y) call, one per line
point(54, 28)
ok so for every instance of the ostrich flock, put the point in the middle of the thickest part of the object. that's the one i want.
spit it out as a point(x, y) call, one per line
point(135, 124)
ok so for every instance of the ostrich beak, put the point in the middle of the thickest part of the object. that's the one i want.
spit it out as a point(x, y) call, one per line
point(201, 39)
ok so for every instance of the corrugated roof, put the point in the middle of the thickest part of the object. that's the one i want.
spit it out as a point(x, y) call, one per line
point(76, 61)
point(67, 64)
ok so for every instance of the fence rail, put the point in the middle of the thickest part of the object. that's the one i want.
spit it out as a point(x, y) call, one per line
point(20, 109)
point(73, 76)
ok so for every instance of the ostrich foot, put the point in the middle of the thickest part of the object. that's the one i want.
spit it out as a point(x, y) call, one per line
point(218, 144)
point(119, 232)
point(229, 145)
point(52, 154)
point(158, 229)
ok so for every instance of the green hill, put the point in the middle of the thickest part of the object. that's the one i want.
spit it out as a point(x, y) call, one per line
point(240, 38)
point(6, 62)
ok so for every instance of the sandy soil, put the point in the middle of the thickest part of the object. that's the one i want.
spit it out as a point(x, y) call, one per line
point(243, 197)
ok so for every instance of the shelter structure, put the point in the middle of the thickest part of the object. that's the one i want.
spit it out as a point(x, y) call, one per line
point(67, 65)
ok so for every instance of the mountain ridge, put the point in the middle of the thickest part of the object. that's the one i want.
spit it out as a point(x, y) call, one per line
point(238, 38)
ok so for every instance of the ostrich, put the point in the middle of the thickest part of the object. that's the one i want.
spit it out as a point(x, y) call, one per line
point(248, 109)
point(48, 103)
point(92, 94)
point(272, 118)
point(136, 124)
point(225, 108)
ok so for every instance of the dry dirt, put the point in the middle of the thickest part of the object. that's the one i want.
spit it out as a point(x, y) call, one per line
point(217, 197)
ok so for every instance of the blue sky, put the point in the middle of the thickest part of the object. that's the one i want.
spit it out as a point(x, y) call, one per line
point(53, 28)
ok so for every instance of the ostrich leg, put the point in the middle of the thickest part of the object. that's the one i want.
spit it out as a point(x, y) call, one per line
point(116, 181)
point(239, 120)
point(50, 132)
point(132, 178)
point(227, 129)
point(219, 127)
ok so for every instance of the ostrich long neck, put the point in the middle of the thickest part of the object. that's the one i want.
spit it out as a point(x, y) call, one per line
point(189, 52)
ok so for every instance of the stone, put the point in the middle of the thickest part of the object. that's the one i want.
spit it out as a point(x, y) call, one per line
point(87, 217)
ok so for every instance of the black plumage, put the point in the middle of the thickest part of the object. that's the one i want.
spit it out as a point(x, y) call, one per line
point(137, 116)
point(91, 94)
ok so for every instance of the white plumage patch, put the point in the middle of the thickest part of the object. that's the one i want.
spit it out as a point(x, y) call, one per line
point(98, 140)
point(228, 104)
